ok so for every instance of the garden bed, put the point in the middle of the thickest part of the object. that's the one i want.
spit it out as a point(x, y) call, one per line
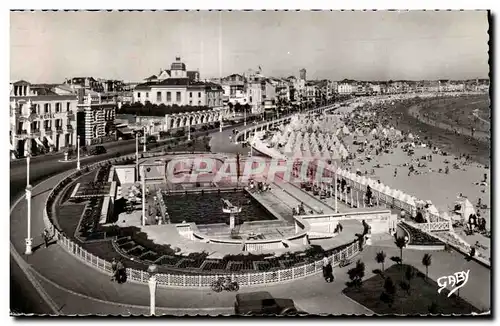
point(421, 299)
point(419, 237)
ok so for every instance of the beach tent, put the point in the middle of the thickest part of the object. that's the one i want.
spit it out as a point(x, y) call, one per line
point(466, 208)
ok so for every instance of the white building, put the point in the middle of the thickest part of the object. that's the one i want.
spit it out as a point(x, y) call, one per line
point(345, 88)
point(177, 87)
point(41, 118)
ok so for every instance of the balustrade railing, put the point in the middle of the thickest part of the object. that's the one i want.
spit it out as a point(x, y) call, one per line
point(176, 280)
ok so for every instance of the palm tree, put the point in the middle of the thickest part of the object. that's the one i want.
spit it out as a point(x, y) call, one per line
point(380, 258)
point(409, 274)
point(401, 243)
point(426, 261)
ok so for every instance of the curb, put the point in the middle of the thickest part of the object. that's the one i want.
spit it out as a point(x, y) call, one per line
point(359, 304)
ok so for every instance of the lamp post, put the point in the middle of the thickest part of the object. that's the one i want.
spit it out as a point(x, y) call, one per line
point(143, 181)
point(137, 155)
point(336, 198)
point(220, 122)
point(144, 140)
point(152, 288)
point(77, 152)
point(28, 200)
point(244, 116)
point(189, 129)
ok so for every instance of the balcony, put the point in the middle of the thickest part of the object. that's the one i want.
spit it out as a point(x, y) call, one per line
point(69, 128)
point(47, 130)
point(59, 129)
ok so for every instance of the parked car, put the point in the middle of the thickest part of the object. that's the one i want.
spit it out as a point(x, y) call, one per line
point(97, 150)
point(263, 303)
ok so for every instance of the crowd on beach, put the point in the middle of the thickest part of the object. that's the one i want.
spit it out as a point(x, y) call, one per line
point(365, 131)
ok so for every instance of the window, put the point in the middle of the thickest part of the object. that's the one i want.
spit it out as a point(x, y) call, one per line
point(190, 94)
point(178, 96)
point(169, 97)
point(199, 103)
point(158, 96)
point(147, 94)
point(190, 102)
point(58, 107)
point(46, 107)
point(138, 95)
point(68, 106)
point(199, 94)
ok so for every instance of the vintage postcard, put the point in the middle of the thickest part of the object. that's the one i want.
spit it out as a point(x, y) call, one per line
point(221, 163)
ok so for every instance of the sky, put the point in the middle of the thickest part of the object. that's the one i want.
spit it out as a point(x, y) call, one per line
point(47, 47)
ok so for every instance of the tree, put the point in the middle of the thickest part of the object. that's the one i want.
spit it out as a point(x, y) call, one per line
point(409, 274)
point(356, 274)
point(426, 261)
point(380, 258)
point(400, 243)
point(387, 295)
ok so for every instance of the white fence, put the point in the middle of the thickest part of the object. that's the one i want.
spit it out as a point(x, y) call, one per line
point(179, 280)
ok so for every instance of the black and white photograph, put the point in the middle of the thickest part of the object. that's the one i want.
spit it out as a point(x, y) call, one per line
point(250, 163)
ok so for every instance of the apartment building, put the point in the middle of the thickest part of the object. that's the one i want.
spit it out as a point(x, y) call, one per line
point(40, 119)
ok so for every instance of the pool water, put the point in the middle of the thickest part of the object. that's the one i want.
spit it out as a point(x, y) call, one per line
point(207, 208)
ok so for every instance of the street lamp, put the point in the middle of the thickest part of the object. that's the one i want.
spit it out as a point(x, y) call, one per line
point(29, 240)
point(220, 122)
point(143, 181)
point(77, 152)
point(137, 154)
point(144, 140)
point(152, 288)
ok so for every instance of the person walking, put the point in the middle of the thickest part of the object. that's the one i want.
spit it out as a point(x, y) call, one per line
point(114, 268)
point(326, 262)
point(121, 273)
point(329, 273)
point(46, 237)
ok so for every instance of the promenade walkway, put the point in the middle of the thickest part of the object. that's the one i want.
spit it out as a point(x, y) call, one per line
point(73, 287)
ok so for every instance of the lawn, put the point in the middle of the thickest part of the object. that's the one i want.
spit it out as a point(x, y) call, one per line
point(422, 295)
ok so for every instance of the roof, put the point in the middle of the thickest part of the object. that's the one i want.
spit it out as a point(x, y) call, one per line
point(45, 98)
point(43, 91)
point(21, 82)
point(151, 77)
point(177, 82)
point(192, 74)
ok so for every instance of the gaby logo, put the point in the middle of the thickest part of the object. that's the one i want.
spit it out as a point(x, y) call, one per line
point(459, 279)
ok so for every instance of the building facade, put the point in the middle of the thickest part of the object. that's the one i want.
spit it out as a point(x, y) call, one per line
point(177, 87)
point(95, 117)
point(40, 120)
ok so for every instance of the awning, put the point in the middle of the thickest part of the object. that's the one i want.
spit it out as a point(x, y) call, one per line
point(49, 140)
point(39, 142)
point(124, 130)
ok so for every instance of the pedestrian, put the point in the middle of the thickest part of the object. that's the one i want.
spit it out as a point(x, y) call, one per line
point(121, 273)
point(329, 273)
point(46, 237)
point(326, 262)
point(114, 269)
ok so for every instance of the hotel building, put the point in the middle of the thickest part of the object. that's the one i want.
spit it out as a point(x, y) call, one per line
point(41, 118)
point(178, 86)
